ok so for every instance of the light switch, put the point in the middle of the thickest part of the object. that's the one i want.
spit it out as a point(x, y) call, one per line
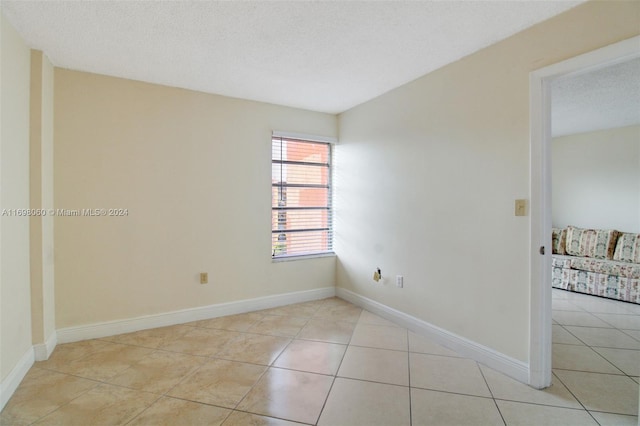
point(204, 278)
point(521, 207)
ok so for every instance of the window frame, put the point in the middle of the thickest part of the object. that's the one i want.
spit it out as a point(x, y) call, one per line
point(276, 227)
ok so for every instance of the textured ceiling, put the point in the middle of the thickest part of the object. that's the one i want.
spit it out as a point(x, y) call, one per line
point(602, 99)
point(323, 56)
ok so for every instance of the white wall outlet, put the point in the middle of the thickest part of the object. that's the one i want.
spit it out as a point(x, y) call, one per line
point(399, 281)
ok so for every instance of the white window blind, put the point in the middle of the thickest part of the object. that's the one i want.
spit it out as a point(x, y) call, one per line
point(301, 215)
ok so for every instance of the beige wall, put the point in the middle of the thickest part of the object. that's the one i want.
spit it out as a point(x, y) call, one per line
point(15, 316)
point(596, 179)
point(427, 175)
point(194, 172)
point(41, 194)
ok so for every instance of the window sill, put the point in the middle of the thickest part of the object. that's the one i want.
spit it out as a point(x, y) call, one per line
point(301, 257)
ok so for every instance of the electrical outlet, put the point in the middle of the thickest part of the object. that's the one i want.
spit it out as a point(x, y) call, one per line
point(204, 278)
point(399, 281)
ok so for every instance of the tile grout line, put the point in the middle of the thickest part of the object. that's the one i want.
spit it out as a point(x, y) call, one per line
point(624, 330)
point(145, 409)
point(591, 347)
point(234, 410)
point(572, 394)
point(486, 382)
point(602, 356)
point(569, 331)
point(213, 357)
point(622, 373)
point(268, 367)
point(335, 376)
point(97, 383)
point(539, 404)
point(409, 378)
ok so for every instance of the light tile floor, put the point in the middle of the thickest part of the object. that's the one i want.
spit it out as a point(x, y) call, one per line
point(328, 362)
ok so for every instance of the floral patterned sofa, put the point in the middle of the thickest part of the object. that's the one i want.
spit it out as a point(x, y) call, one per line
point(597, 261)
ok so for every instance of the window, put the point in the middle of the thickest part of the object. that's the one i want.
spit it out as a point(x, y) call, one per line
point(301, 221)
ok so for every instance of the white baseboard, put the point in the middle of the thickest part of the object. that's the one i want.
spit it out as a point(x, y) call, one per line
point(10, 383)
point(42, 351)
point(484, 355)
point(110, 328)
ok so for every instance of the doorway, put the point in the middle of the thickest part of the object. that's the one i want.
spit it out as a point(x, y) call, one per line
point(540, 196)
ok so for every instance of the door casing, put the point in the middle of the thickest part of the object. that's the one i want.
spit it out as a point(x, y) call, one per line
point(540, 193)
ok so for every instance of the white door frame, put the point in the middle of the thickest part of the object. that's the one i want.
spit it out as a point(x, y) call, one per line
point(540, 175)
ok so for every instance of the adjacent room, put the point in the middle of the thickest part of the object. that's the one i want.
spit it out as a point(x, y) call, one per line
point(302, 212)
point(596, 181)
point(595, 189)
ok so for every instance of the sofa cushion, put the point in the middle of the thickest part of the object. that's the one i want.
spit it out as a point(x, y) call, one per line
point(558, 241)
point(609, 267)
point(628, 248)
point(594, 243)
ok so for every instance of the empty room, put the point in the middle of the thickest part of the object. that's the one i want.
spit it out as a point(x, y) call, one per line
point(319, 213)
